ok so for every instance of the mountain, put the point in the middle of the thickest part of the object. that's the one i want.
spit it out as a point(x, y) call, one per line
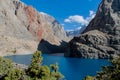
point(76, 32)
point(58, 29)
point(23, 29)
point(101, 38)
point(72, 33)
point(54, 39)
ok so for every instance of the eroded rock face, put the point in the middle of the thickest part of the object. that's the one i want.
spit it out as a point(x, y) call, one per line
point(14, 36)
point(101, 39)
point(22, 28)
point(107, 17)
point(58, 29)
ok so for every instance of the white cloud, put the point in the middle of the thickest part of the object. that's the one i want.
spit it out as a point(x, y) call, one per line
point(77, 19)
point(80, 19)
point(91, 12)
point(67, 20)
point(91, 15)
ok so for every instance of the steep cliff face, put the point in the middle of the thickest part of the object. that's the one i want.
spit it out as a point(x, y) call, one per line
point(54, 39)
point(14, 36)
point(107, 17)
point(40, 23)
point(101, 38)
point(58, 29)
point(22, 28)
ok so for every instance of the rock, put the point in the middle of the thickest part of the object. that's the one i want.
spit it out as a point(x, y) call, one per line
point(14, 36)
point(101, 38)
point(47, 47)
point(54, 38)
point(22, 67)
point(57, 27)
point(22, 28)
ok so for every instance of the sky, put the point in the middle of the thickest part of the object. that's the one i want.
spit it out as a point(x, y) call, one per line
point(72, 14)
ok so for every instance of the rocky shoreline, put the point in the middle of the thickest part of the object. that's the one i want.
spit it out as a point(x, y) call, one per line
point(12, 54)
point(20, 66)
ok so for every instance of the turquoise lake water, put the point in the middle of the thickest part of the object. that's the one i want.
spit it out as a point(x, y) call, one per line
point(71, 68)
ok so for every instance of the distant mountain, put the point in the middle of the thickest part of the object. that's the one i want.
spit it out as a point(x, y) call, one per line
point(23, 29)
point(75, 33)
point(101, 38)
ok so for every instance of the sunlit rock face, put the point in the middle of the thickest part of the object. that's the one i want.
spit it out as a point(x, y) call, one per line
point(22, 28)
point(101, 38)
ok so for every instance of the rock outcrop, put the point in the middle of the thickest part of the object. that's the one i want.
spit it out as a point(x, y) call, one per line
point(101, 38)
point(22, 28)
point(58, 29)
point(14, 36)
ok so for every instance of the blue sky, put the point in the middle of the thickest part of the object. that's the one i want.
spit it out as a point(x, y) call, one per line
point(72, 14)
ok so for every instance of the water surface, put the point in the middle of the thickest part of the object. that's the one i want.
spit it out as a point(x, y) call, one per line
point(71, 68)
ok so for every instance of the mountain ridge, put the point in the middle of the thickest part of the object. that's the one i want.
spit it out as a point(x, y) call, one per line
point(76, 32)
point(101, 38)
point(22, 28)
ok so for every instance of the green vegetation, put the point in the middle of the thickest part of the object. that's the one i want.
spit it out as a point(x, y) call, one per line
point(7, 70)
point(55, 72)
point(111, 72)
point(5, 66)
point(14, 74)
point(34, 68)
point(36, 71)
point(14, 51)
point(89, 78)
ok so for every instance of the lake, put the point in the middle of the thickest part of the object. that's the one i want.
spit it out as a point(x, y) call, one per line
point(71, 68)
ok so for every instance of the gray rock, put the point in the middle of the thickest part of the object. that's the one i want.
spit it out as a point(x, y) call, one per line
point(101, 38)
point(58, 29)
point(22, 28)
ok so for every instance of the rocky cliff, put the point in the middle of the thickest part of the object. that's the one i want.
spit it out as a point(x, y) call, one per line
point(101, 38)
point(22, 28)
point(54, 39)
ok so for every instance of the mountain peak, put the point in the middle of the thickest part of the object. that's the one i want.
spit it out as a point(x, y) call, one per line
point(23, 29)
point(107, 17)
point(106, 26)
